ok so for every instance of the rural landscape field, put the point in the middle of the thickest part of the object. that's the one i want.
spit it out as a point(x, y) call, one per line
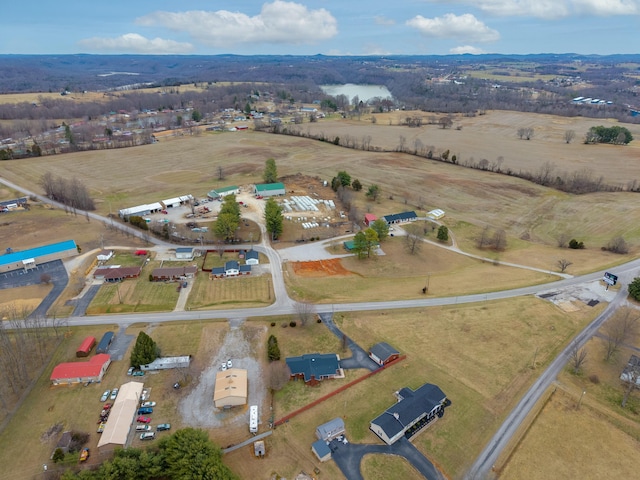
point(440, 302)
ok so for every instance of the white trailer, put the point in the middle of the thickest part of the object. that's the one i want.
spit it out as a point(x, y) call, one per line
point(253, 419)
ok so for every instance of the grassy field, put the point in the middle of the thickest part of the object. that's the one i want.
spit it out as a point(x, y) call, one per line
point(565, 434)
point(23, 299)
point(382, 467)
point(239, 292)
point(399, 275)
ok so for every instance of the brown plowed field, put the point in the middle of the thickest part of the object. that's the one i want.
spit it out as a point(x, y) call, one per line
point(320, 268)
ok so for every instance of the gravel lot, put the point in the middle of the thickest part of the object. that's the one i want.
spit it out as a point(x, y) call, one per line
point(197, 407)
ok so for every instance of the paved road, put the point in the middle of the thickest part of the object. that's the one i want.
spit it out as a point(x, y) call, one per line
point(349, 457)
point(285, 306)
point(484, 463)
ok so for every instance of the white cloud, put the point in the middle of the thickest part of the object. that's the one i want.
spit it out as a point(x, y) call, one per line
point(382, 20)
point(552, 9)
point(278, 22)
point(463, 27)
point(466, 49)
point(134, 43)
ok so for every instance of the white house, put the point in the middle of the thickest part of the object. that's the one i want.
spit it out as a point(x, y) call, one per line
point(252, 258)
point(105, 255)
point(184, 253)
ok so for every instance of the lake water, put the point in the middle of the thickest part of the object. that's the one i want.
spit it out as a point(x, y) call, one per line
point(364, 92)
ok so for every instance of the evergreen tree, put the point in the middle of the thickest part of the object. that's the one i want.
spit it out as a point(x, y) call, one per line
point(273, 350)
point(381, 228)
point(144, 351)
point(634, 288)
point(270, 171)
point(273, 218)
point(443, 233)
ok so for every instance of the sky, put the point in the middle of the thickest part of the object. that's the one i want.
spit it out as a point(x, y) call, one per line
point(328, 27)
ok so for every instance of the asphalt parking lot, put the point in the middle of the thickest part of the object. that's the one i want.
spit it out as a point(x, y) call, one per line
point(22, 278)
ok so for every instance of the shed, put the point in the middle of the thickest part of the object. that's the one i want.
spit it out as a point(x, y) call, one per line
point(383, 353)
point(349, 245)
point(105, 342)
point(369, 218)
point(321, 450)
point(330, 430)
point(105, 255)
point(86, 346)
point(259, 449)
point(270, 189)
point(184, 253)
point(436, 213)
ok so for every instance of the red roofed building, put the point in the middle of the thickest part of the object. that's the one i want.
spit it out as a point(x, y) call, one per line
point(369, 218)
point(86, 346)
point(80, 372)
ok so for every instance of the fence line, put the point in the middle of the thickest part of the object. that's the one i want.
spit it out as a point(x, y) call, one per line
point(288, 417)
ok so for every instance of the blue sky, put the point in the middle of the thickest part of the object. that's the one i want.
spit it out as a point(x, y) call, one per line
point(329, 27)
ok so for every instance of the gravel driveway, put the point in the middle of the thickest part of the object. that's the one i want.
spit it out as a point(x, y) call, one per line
point(197, 407)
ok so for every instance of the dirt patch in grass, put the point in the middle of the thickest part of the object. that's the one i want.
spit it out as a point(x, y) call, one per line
point(320, 268)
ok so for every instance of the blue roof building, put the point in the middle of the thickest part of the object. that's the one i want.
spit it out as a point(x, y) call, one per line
point(34, 256)
point(314, 367)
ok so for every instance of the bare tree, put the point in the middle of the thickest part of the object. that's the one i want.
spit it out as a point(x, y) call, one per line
point(402, 141)
point(278, 375)
point(563, 240)
point(483, 240)
point(45, 278)
point(305, 312)
point(619, 329)
point(220, 172)
point(413, 239)
point(578, 357)
point(499, 240)
point(617, 245)
point(569, 135)
point(563, 264)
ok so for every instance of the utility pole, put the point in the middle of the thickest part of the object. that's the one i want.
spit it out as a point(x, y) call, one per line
point(580, 401)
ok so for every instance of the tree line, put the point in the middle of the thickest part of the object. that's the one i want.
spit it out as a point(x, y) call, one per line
point(70, 192)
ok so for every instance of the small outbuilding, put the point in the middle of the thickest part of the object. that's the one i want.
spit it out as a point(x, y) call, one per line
point(383, 353)
point(105, 255)
point(105, 342)
point(330, 430)
point(436, 213)
point(369, 218)
point(631, 372)
point(86, 346)
point(259, 449)
point(321, 450)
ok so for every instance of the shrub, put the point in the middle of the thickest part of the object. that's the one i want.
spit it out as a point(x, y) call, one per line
point(292, 323)
point(58, 455)
point(594, 379)
point(283, 324)
point(273, 324)
point(319, 320)
point(576, 245)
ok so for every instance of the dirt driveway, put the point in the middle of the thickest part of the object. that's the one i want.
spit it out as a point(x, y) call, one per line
point(197, 408)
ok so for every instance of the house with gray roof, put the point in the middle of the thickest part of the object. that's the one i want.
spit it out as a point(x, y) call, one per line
point(321, 450)
point(413, 411)
point(314, 367)
point(330, 430)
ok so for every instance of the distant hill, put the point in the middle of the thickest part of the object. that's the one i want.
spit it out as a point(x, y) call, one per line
point(53, 73)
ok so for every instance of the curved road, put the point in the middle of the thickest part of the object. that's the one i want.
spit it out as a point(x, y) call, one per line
point(284, 305)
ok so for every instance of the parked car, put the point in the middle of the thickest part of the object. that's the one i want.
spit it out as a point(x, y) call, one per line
point(224, 366)
point(145, 410)
point(142, 419)
point(163, 426)
point(147, 436)
point(143, 428)
point(105, 396)
point(84, 454)
point(229, 363)
point(114, 394)
point(138, 373)
point(101, 427)
point(145, 395)
point(148, 404)
point(130, 371)
point(106, 406)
